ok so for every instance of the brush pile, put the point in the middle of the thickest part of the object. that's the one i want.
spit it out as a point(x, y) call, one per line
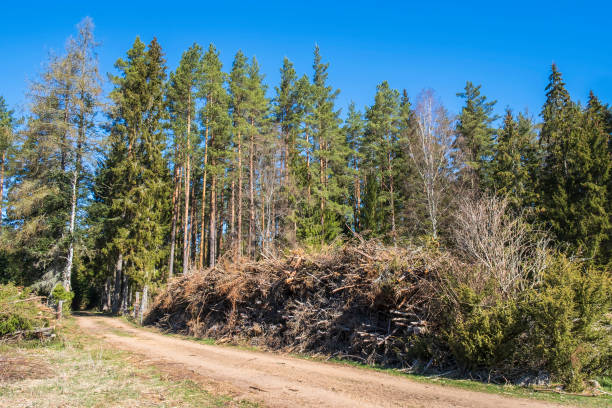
point(23, 316)
point(366, 302)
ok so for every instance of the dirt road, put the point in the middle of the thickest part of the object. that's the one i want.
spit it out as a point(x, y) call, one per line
point(281, 381)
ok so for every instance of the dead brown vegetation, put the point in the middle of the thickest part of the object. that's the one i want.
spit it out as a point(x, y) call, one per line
point(366, 302)
point(17, 367)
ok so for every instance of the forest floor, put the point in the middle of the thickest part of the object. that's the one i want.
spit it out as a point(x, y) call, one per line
point(277, 380)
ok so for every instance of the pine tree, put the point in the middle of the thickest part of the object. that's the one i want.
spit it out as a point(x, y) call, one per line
point(354, 131)
point(182, 108)
point(381, 145)
point(239, 97)
point(475, 135)
point(216, 125)
point(287, 119)
point(257, 114)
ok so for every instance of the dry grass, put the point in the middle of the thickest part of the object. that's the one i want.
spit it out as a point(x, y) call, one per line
point(80, 371)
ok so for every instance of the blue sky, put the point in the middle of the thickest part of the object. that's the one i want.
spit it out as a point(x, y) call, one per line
point(507, 47)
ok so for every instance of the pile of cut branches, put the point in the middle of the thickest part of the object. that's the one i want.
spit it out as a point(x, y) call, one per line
point(367, 302)
point(22, 315)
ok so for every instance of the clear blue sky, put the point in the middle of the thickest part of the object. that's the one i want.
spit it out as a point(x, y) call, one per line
point(505, 46)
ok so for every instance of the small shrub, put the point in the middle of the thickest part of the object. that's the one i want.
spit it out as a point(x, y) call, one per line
point(483, 336)
point(566, 313)
point(60, 293)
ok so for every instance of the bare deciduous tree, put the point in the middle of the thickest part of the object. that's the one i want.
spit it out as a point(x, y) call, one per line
point(430, 147)
point(508, 248)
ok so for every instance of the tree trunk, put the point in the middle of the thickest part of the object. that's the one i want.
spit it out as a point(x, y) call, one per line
point(190, 241)
point(202, 236)
point(107, 299)
point(175, 210)
point(124, 295)
point(187, 195)
point(117, 289)
point(193, 227)
point(357, 211)
point(2, 184)
point(308, 165)
point(73, 205)
point(213, 221)
point(391, 193)
point(232, 212)
point(239, 236)
point(322, 187)
point(251, 195)
point(144, 304)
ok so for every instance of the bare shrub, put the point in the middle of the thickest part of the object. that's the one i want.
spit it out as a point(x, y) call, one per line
point(506, 247)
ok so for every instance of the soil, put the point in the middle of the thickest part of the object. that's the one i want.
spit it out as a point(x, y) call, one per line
point(17, 367)
point(277, 380)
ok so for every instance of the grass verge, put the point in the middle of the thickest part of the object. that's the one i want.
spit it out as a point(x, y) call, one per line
point(81, 371)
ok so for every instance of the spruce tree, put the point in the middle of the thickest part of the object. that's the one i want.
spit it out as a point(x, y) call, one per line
point(574, 172)
point(330, 187)
point(475, 135)
point(509, 173)
point(133, 183)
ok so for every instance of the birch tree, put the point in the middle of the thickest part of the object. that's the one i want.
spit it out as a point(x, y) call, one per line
point(430, 147)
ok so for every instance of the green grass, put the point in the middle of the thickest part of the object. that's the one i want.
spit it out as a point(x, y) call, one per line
point(600, 401)
point(86, 373)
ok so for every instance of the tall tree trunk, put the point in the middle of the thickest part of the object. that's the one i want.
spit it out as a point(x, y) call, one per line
point(308, 165)
point(322, 182)
point(233, 212)
point(2, 184)
point(116, 302)
point(202, 224)
point(74, 185)
point(190, 242)
point(124, 295)
point(239, 237)
point(187, 194)
point(251, 194)
point(175, 210)
point(64, 133)
point(213, 220)
point(357, 187)
point(392, 196)
point(193, 238)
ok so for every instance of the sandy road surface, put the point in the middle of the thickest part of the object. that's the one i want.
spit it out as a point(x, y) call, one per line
point(281, 381)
